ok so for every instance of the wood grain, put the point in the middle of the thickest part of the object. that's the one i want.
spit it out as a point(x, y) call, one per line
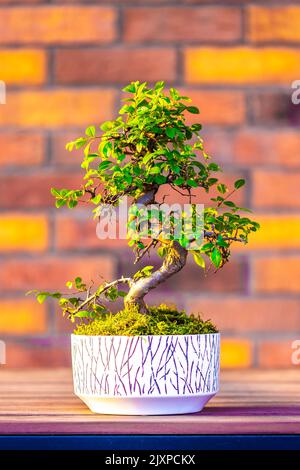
point(250, 402)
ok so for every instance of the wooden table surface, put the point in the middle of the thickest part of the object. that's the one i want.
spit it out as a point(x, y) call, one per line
point(249, 402)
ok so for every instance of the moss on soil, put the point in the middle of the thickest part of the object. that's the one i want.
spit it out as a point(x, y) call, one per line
point(163, 320)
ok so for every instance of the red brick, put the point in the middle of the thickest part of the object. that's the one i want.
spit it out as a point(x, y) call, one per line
point(275, 354)
point(210, 24)
point(214, 1)
point(19, 2)
point(277, 232)
point(52, 273)
point(23, 232)
point(273, 108)
point(255, 146)
point(73, 232)
point(236, 353)
point(219, 144)
point(23, 66)
point(85, 66)
point(57, 108)
point(62, 324)
point(242, 314)
point(36, 354)
point(276, 274)
point(32, 145)
point(57, 24)
point(241, 65)
point(275, 24)
point(135, 2)
point(232, 104)
point(231, 278)
point(60, 155)
point(276, 189)
point(34, 190)
point(28, 317)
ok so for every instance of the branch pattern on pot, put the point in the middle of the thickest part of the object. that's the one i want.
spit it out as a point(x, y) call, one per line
point(145, 365)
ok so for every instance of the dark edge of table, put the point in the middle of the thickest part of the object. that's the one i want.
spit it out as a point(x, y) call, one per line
point(151, 442)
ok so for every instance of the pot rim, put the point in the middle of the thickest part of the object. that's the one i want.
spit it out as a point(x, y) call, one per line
point(143, 336)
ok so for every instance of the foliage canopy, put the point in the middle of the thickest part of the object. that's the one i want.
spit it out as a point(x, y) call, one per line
point(150, 144)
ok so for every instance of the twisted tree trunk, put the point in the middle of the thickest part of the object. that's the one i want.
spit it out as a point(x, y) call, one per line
point(173, 262)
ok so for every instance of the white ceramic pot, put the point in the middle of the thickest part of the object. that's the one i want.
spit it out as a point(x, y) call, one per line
point(146, 375)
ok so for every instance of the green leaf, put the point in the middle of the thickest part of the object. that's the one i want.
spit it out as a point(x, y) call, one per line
point(112, 293)
point(56, 295)
point(171, 132)
point(160, 179)
point(80, 142)
point(222, 188)
point(145, 272)
point(229, 204)
point(78, 282)
point(104, 165)
point(84, 314)
point(239, 183)
point(245, 209)
point(221, 242)
point(174, 94)
point(70, 146)
point(192, 109)
point(106, 126)
point(159, 86)
point(128, 179)
point(199, 260)
point(106, 149)
point(139, 147)
point(207, 247)
point(216, 257)
point(130, 88)
point(72, 203)
point(60, 202)
point(196, 127)
point(213, 167)
point(41, 297)
point(126, 109)
point(162, 251)
point(97, 199)
point(154, 170)
point(63, 301)
point(55, 192)
point(121, 157)
point(192, 183)
point(122, 293)
point(179, 181)
point(91, 131)
point(147, 158)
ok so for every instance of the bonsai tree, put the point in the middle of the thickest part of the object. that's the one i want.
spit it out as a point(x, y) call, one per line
point(147, 146)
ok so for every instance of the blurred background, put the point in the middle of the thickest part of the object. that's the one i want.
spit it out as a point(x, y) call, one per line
point(64, 63)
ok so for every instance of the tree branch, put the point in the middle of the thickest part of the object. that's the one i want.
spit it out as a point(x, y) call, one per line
point(214, 235)
point(97, 294)
point(153, 242)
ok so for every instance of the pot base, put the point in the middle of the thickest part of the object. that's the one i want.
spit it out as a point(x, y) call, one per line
point(136, 406)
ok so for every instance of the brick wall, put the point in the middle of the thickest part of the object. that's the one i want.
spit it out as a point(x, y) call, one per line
point(64, 63)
